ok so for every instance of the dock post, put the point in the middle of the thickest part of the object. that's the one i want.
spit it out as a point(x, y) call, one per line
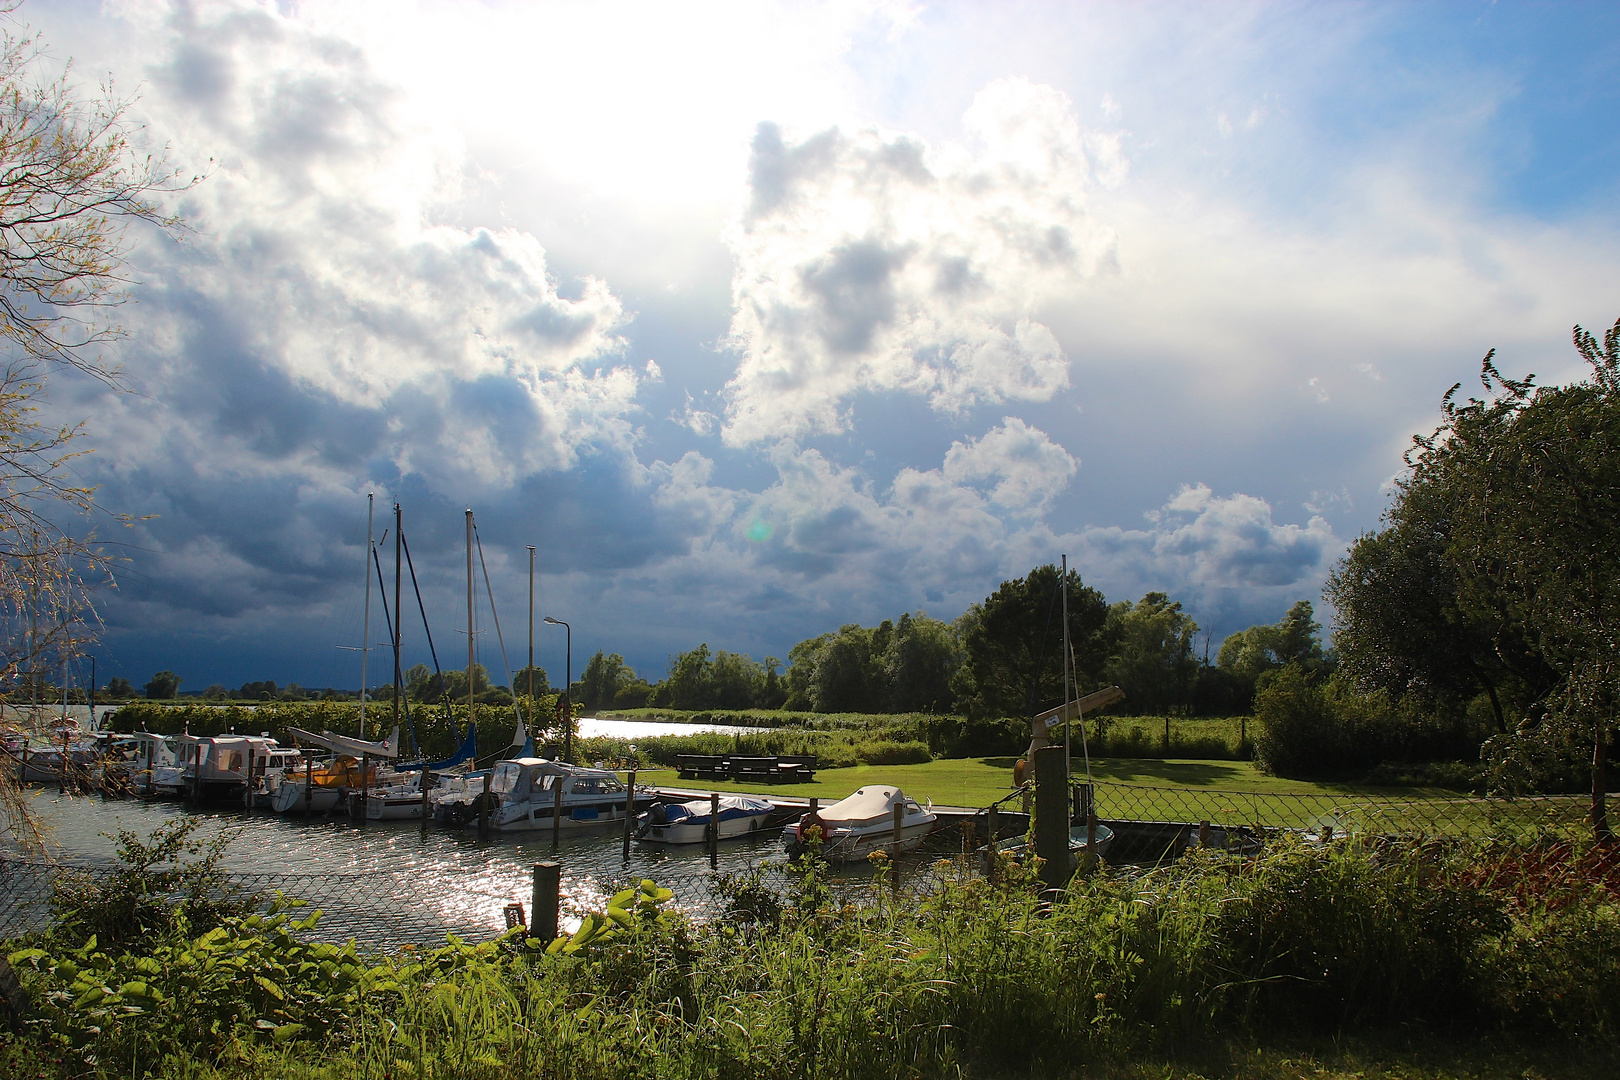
point(365, 787)
point(196, 772)
point(898, 812)
point(629, 812)
point(247, 781)
point(483, 807)
point(556, 812)
point(1203, 834)
point(309, 786)
point(544, 901)
point(1052, 816)
point(815, 806)
point(992, 818)
point(61, 770)
point(714, 830)
point(426, 776)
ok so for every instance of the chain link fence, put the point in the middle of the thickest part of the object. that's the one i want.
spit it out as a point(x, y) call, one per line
point(1172, 816)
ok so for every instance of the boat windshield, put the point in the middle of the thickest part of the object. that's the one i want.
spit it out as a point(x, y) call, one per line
point(504, 779)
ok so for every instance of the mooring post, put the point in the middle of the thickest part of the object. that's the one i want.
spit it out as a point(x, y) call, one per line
point(427, 777)
point(897, 814)
point(365, 787)
point(1203, 834)
point(196, 772)
point(714, 830)
point(1052, 816)
point(61, 770)
point(309, 785)
point(247, 780)
point(483, 806)
point(629, 812)
point(556, 812)
point(545, 900)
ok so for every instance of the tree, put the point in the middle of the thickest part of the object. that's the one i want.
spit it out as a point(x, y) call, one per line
point(844, 678)
point(1152, 659)
point(216, 692)
point(1013, 644)
point(1296, 638)
point(539, 687)
point(599, 683)
point(736, 681)
point(164, 685)
point(1530, 480)
point(917, 666)
point(687, 686)
point(120, 689)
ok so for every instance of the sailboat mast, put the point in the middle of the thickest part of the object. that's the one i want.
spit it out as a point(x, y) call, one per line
point(531, 632)
point(469, 617)
point(399, 618)
point(365, 624)
point(1068, 728)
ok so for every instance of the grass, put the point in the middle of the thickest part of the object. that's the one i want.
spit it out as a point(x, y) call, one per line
point(981, 781)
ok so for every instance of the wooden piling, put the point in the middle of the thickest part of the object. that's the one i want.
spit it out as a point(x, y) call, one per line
point(629, 812)
point(365, 786)
point(61, 768)
point(309, 786)
point(545, 900)
point(426, 777)
point(247, 780)
point(1203, 834)
point(556, 812)
point(483, 806)
point(1052, 816)
point(714, 830)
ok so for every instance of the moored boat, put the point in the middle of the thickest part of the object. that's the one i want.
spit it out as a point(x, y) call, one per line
point(855, 827)
point(688, 822)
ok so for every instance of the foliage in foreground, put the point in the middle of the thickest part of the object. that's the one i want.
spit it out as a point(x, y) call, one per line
point(1306, 941)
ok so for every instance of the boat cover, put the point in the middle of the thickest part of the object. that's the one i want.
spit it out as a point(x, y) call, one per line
point(731, 808)
point(867, 806)
point(345, 744)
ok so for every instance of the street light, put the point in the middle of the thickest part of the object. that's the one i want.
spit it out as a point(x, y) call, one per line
point(568, 680)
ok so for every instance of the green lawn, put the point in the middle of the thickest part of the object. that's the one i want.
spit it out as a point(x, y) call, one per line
point(981, 781)
point(1223, 792)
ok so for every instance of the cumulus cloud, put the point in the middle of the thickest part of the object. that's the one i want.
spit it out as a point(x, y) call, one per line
point(1225, 555)
point(872, 261)
point(1025, 466)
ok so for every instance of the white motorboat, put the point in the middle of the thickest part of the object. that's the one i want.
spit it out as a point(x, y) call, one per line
point(853, 828)
point(523, 797)
point(688, 822)
point(1017, 846)
point(399, 801)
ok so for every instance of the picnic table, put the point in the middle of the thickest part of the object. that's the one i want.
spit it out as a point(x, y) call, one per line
point(783, 768)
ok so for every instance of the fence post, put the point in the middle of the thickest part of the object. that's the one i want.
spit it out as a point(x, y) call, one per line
point(556, 812)
point(544, 900)
point(1052, 816)
point(1203, 834)
point(629, 812)
point(714, 830)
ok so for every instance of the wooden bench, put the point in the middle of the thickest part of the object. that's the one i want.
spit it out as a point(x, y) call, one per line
point(796, 768)
point(753, 768)
point(704, 766)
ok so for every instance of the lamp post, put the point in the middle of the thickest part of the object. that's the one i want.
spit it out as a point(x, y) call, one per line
point(568, 681)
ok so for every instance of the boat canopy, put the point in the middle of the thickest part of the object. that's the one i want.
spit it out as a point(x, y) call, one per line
point(867, 806)
point(525, 776)
point(731, 807)
point(344, 744)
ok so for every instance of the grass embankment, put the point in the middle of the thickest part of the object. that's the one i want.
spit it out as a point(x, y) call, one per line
point(1484, 962)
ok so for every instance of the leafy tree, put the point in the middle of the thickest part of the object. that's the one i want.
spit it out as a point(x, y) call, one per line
point(455, 683)
point(599, 683)
point(120, 688)
point(1247, 655)
point(687, 686)
point(1152, 660)
point(216, 692)
point(773, 694)
point(918, 664)
point(844, 678)
point(736, 681)
point(801, 670)
point(539, 687)
point(1013, 642)
point(164, 685)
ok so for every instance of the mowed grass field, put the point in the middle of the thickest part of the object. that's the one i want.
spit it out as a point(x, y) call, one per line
point(981, 781)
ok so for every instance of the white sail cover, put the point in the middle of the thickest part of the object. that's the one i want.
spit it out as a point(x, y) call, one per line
point(345, 744)
point(869, 805)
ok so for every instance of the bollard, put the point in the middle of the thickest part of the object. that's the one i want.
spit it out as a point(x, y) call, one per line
point(556, 812)
point(629, 812)
point(483, 807)
point(544, 900)
point(714, 830)
point(1052, 816)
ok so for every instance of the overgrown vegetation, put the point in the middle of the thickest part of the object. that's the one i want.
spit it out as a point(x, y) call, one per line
point(1302, 944)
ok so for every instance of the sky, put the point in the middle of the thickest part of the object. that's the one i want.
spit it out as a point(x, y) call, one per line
point(758, 319)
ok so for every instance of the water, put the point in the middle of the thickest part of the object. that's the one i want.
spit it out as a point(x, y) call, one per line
point(395, 875)
point(590, 728)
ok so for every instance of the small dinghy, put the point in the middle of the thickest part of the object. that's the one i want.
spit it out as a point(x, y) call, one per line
point(688, 822)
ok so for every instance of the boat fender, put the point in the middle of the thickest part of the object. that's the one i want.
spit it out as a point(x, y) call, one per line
point(806, 823)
